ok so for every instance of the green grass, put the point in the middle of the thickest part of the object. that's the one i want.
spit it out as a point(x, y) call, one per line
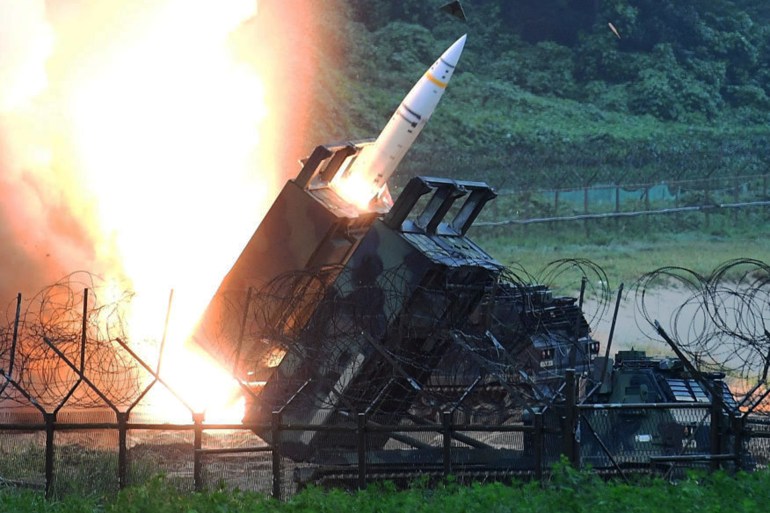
point(568, 490)
point(624, 255)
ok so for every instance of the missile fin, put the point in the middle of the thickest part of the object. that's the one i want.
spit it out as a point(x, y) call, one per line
point(454, 9)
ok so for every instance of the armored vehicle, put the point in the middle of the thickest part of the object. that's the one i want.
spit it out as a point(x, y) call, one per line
point(655, 410)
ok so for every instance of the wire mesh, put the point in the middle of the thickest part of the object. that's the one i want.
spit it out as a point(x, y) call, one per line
point(85, 462)
point(170, 453)
point(237, 470)
point(22, 459)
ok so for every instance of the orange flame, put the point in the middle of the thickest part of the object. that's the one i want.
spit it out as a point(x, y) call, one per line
point(165, 123)
point(135, 144)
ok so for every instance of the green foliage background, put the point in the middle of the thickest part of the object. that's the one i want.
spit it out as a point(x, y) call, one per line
point(547, 95)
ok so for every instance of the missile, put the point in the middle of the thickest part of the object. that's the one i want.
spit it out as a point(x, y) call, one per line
point(368, 174)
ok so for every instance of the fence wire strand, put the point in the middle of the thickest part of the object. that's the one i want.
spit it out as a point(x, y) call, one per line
point(54, 317)
point(724, 322)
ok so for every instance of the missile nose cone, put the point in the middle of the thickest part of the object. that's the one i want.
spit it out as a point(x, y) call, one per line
point(452, 54)
point(376, 163)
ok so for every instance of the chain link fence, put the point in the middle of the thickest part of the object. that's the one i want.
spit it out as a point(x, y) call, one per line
point(707, 197)
point(88, 451)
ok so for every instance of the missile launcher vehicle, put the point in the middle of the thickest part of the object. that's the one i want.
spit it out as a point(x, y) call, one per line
point(345, 302)
point(347, 305)
point(332, 311)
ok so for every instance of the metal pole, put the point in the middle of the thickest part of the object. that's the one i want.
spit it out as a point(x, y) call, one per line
point(9, 374)
point(50, 420)
point(539, 446)
point(361, 432)
point(604, 448)
point(570, 394)
point(716, 428)
point(585, 210)
point(165, 331)
point(154, 374)
point(197, 444)
point(446, 421)
point(738, 426)
point(612, 331)
point(16, 321)
point(81, 369)
point(83, 329)
point(122, 418)
point(276, 443)
point(678, 189)
point(555, 208)
point(647, 198)
point(578, 318)
point(706, 384)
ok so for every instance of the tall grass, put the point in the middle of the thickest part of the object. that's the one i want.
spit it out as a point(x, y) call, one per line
point(568, 490)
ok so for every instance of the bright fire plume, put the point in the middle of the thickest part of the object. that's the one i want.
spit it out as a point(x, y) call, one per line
point(134, 143)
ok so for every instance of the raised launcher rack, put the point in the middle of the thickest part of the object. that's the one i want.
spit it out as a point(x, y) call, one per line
point(308, 226)
point(377, 334)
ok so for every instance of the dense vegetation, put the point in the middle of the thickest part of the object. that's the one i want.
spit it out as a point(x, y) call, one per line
point(567, 491)
point(547, 94)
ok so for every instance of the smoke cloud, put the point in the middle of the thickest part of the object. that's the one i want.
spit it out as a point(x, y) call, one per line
point(40, 237)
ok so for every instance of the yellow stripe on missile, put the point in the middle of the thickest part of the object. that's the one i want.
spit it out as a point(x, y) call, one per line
point(435, 81)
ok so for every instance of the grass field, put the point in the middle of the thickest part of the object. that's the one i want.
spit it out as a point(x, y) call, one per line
point(626, 255)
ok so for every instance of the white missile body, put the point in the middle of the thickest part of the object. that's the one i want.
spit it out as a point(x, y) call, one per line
point(376, 163)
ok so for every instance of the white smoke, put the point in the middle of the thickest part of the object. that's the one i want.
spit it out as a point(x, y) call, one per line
point(88, 95)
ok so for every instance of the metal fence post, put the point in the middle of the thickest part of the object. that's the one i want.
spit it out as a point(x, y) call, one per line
point(198, 445)
point(706, 200)
point(361, 432)
point(647, 198)
point(552, 226)
point(716, 428)
point(764, 192)
point(276, 438)
point(446, 422)
point(122, 418)
point(570, 395)
point(538, 425)
point(647, 206)
point(50, 421)
point(738, 426)
point(585, 211)
point(678, 189)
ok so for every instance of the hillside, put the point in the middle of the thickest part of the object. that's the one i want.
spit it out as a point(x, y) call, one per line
point(547, 92)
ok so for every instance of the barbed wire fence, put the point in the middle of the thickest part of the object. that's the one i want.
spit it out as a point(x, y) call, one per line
point(73, 383)
point(723, 323)
point(301, 315)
